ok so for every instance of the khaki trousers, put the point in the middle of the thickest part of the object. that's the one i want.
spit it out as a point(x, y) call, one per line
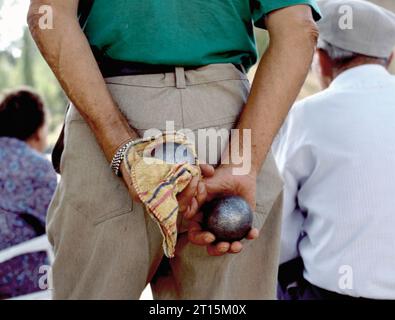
point(107, 247)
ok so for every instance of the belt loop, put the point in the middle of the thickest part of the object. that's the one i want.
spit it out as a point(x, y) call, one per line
point(243, 69)
point(180, 78)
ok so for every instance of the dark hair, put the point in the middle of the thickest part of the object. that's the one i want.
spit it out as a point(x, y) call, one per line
point(22, 113)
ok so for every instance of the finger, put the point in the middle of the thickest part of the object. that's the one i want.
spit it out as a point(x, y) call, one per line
point(194, 226)
point(198, 218)
point(218, 249)
point(253, 234)
point(197, 201)
point(192, 209)
point(210, 192)
point(207, 170)
point(252, 203)
point(236, 247)
point(215, 186)
point(201, 195)
point(185, 197)
point(199, 237)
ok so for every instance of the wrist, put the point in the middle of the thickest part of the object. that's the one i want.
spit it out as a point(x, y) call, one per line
point(112, 133)
point(119, 156)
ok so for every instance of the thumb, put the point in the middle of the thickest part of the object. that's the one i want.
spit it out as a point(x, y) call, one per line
point(217, 185)
point(250, 198)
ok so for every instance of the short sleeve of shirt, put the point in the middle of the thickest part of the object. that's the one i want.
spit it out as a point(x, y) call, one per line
point(263, 7)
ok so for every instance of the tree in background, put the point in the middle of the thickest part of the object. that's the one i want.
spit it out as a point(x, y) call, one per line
point(21, 64)
point(27, 59)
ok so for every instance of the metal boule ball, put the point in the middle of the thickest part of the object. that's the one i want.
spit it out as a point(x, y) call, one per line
point(229, 218)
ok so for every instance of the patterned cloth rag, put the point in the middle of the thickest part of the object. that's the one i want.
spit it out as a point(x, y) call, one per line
point(157, 181)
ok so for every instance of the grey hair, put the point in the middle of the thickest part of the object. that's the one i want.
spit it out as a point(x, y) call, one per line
point(336, 53)
point(342, 56)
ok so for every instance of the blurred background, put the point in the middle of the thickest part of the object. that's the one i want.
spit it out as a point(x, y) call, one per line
point(22, 64)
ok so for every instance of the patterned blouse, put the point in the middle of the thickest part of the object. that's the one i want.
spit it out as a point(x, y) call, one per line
point(27, 183)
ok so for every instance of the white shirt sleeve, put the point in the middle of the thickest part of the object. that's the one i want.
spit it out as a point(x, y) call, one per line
point(290, 156)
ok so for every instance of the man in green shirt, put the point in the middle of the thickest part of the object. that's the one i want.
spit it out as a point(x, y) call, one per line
point(158, 61)
point(180, 33)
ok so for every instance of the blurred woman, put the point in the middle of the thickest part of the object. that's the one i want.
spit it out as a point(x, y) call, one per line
point(27, 183)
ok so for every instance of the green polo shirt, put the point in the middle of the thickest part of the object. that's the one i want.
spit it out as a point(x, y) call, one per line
point(181, 32)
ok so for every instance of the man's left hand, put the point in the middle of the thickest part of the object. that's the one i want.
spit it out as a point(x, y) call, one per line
point(222, 183)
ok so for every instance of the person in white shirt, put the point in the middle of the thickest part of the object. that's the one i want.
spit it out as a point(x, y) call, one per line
point(336, 154)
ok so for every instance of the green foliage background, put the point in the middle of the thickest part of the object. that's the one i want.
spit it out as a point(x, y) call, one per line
point(30, 69)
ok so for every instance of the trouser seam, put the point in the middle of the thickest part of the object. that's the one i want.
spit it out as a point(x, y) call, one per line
point(181, 85)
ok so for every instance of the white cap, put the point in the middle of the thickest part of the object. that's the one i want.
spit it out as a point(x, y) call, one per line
point(358, 26)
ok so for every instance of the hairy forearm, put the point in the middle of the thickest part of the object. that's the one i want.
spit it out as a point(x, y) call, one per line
point(68, 53)
point(279, 78)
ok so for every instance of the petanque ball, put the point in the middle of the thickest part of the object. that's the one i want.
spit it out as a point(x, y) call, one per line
point(228, 218)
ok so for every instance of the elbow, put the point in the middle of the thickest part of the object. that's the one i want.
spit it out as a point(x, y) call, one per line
point(33, 18)
point(304, 31)
point(308, 31)
point(296, 30)
point(40, 17)
point(40, 29)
